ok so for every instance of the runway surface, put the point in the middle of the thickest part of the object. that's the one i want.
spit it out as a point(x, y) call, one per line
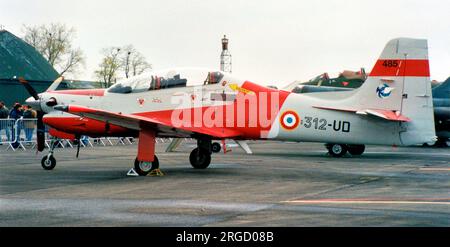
point(281, 184)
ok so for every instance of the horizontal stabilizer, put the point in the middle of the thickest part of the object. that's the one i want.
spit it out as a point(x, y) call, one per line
point(384, 114)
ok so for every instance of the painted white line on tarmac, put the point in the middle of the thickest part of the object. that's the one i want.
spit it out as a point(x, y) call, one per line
point(402, 152)
point(435, 169)
point(344, 201)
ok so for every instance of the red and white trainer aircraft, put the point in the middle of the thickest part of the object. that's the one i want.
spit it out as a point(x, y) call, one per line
point(393, 107)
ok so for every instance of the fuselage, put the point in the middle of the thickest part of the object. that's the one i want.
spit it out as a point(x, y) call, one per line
point(255, 111)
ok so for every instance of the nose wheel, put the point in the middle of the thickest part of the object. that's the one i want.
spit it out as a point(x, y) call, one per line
point(48, 162)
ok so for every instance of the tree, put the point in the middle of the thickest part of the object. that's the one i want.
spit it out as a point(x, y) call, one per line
point(54, 42)
point(133, 62)
point(115, 59)
point(107, 72)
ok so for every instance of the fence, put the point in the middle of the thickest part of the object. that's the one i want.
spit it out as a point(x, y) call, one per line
point(20, 134)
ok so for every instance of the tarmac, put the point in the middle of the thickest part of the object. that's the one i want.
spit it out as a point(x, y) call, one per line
point(281, 184)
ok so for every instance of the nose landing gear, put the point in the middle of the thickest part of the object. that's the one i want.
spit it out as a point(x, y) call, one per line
point(48, 162)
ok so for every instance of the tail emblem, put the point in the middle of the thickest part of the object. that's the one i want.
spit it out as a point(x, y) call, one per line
point(384, 91)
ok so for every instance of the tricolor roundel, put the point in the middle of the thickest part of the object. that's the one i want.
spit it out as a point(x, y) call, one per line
point(289, 120)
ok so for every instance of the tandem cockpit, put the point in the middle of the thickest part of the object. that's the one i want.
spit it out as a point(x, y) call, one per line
point(174, 78)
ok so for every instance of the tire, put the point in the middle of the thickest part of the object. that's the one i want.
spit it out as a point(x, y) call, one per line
point(441, 143)
point(337, 150)
point(143, 168)
point(356, 149)
point(200, 158)
point(48, 163)
point(215, 147)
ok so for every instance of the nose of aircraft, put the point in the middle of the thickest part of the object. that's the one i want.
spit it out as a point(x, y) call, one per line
point(35, 104)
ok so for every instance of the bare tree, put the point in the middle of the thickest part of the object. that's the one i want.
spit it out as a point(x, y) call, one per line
point(133, 62)
point(54, 42)
point(107, 72)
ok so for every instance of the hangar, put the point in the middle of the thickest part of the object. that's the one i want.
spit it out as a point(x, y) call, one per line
point(19, 59)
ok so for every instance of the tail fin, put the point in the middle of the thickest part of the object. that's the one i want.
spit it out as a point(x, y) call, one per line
point(400, 83)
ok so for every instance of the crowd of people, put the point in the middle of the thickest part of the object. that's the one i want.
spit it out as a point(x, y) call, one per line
point(9, 127)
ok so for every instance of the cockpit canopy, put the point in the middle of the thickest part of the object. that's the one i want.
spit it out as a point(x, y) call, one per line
point(167, 79)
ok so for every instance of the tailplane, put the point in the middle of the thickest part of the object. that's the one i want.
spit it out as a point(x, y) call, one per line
point(397, 89)
point(399, 84)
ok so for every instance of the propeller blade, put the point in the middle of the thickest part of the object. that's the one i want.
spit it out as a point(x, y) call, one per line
point(55, 83)
point(29, 88)
point(78, 147)
point(40, 131)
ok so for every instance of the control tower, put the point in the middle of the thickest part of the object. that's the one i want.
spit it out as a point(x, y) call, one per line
point(225, 56)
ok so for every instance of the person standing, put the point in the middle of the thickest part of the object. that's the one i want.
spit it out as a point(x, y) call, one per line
point(16, 113)
point(4, 113)
point(29, 116)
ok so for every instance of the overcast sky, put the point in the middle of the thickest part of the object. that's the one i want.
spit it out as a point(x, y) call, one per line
point(270, 41)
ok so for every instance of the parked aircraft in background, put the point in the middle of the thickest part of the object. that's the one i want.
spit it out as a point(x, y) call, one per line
point(393, 107)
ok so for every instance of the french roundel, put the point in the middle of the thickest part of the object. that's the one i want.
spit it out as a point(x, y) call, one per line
point(289, 120)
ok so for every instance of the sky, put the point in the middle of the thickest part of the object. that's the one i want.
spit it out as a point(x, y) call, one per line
point(271, 42)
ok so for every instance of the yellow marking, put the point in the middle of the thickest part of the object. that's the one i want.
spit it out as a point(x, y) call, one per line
point(156, 173)
point(235, 87)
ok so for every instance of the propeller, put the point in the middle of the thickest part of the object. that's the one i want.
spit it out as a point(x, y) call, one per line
point(29, 88)
point(40, 113)
point(78, 147)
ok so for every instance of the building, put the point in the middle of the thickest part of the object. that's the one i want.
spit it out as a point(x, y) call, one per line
point(19, 59)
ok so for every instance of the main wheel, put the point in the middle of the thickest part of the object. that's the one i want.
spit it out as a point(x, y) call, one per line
point(441, 142)
point(143, 168)
point(356, 149)
point(48, 163)
point(215, 147)
point(336, 150)
point(200, 158)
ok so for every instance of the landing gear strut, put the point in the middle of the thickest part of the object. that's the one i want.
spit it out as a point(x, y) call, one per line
point(200, 157)
point(48, 162)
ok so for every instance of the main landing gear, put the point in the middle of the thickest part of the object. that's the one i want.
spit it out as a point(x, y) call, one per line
point(200, 157)
point(143, 167)
point(339, 150)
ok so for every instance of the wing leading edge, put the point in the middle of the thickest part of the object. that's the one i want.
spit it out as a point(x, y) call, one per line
point(151, 120)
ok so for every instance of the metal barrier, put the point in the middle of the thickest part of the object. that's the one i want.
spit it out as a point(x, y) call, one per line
point(7, 128)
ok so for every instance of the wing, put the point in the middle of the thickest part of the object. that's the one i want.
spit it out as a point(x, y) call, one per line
point(160, 122)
